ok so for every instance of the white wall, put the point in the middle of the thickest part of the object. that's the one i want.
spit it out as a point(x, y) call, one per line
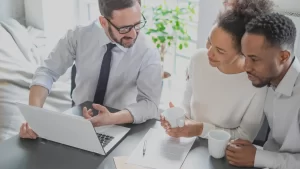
point(297, 44)
point(50, 14)
point(12, 9)
point(55, 17)
point(34, 13)
point(208, 12)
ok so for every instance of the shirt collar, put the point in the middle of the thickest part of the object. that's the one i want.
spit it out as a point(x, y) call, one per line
point(287, 84)
point(121, 47)
point(105, 40)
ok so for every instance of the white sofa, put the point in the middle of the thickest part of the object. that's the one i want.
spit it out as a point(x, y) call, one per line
point(22, 50)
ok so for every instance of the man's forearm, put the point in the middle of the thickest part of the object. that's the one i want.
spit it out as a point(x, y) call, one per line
point(37, 96)
point(121, 117)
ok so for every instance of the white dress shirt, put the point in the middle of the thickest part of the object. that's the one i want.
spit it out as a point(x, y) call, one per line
point(223, 101)
point(135, 77)
point(282, 149)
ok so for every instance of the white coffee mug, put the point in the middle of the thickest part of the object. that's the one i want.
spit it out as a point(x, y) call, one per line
point(175, 116)
point(217, 143)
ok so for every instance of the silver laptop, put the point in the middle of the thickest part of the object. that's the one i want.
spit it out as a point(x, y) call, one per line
point(72, 130)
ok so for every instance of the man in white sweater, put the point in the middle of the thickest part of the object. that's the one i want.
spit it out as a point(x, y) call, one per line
point(268, 48)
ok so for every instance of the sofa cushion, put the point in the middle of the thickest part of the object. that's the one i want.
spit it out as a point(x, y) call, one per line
point(21, 37)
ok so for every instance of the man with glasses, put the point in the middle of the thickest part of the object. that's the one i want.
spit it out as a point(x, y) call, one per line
point(117, 66)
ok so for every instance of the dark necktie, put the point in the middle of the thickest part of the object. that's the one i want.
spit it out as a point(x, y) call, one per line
point(104, 75)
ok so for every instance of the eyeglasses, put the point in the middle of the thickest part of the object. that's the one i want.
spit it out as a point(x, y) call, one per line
point(126, 29)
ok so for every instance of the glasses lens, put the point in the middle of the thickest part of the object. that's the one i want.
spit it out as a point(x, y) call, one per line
point(140, 25)
point(124, 30)
point(136, 27)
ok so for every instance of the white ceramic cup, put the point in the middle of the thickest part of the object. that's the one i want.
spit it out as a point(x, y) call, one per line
point(175, 116)
point(217, 143)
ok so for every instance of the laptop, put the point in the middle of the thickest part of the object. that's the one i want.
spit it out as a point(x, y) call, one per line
point(72, 130)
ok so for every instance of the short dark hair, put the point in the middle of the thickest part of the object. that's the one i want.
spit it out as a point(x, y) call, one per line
point(234, 20)
point(108, 6)
point(279, 30)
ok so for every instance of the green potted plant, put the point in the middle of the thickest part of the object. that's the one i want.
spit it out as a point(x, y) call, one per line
point(168, 28)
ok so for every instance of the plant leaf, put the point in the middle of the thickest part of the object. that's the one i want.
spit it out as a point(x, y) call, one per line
point(158, 45)
point(170, 37)
point(168, 24)
point(180, 46)
point(154, 39)
point(186, 44)
point(162, 39)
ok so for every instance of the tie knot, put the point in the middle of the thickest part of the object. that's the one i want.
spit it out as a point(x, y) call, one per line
point(110, 46)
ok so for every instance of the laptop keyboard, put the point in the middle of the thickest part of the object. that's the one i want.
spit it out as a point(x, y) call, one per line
point(104, 139)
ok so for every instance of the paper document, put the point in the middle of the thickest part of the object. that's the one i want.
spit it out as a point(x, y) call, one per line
point(120, 163)
point(162, 151)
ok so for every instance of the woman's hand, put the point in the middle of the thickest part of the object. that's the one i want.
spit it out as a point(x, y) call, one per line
point(191, 128)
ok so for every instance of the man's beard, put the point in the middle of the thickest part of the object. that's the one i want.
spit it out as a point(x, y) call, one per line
point(262, 84)
point(121, 41)
point(262, 81)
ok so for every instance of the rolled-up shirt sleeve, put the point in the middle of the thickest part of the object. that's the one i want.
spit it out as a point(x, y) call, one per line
point(149, 85)
point(58, 61)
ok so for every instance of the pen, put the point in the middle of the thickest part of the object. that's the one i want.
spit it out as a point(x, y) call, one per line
point(144, 148)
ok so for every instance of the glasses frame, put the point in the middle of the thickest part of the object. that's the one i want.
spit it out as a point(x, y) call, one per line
point(129, 27)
